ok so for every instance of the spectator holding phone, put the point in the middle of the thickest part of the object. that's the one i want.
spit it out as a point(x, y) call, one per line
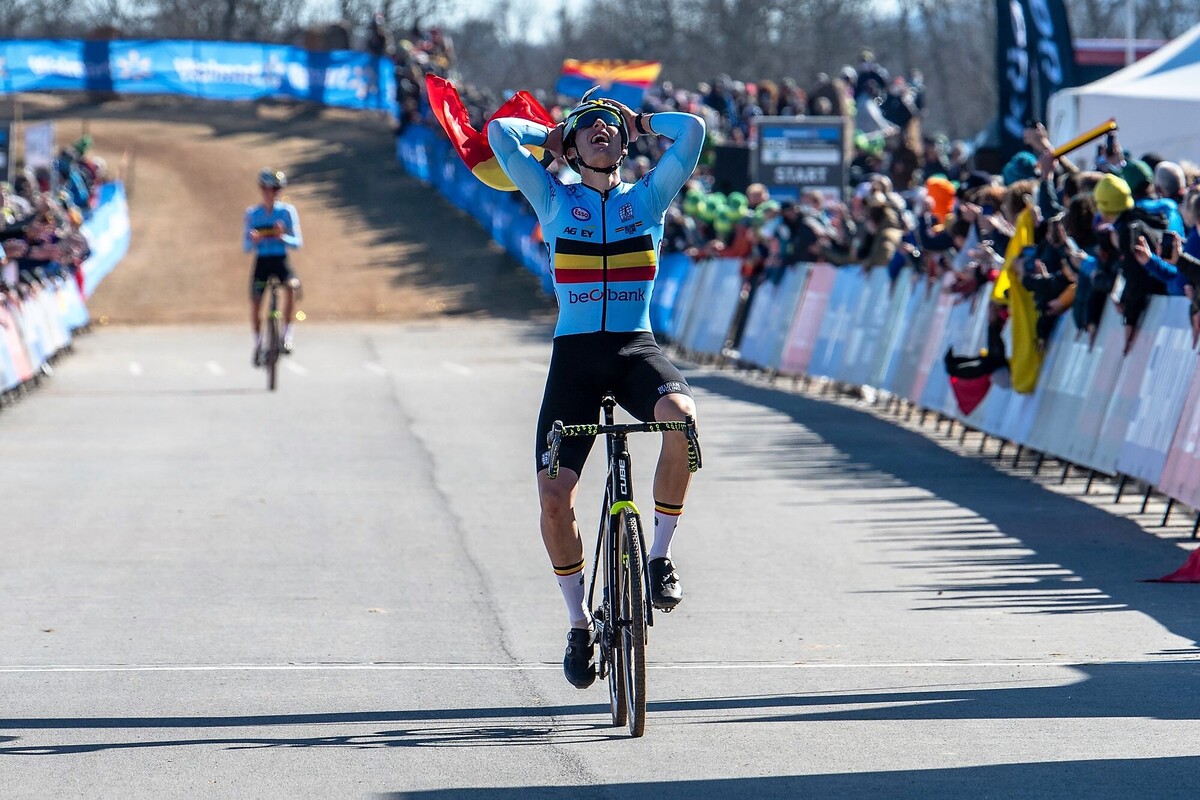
point(1123, 223)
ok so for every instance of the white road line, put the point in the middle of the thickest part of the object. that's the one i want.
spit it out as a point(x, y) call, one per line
point(457, 369)
point(215, 368)
point(532, 666)
point(292, 366)
point(135, 368)
point(372, 367)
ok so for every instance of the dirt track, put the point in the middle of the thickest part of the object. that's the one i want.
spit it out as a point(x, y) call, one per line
point(377, 244)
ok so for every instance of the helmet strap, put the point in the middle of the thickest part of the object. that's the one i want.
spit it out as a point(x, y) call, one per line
point(602, 170)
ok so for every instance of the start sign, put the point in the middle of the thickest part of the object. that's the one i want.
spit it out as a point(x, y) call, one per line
point(794, 154)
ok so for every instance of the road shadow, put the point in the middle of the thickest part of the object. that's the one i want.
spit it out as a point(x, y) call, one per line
point(1016, 546)
point(1112, 691)
point(1102, 778)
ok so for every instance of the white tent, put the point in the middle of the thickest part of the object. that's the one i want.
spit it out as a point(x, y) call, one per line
point(1156, 102)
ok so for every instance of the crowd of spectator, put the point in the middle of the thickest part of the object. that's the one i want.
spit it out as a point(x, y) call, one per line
point(1123, 227)
point(41, 214)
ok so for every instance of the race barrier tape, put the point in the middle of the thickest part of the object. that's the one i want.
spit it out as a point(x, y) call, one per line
point(1135, 415)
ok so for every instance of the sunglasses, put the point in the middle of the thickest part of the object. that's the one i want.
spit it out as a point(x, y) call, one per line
point(588, 118)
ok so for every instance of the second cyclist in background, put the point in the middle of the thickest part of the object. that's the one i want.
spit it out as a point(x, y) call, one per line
point(270, 230)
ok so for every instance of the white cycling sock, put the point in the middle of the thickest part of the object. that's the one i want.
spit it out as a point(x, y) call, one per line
point(570, 582)
point(287, 331)
point(666, 518)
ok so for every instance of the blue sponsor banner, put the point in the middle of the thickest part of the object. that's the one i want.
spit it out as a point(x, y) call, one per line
point(213, 70)
point(107, 232)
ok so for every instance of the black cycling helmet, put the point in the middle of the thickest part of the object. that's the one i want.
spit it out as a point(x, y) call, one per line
point(271, 178)
point(583, 116)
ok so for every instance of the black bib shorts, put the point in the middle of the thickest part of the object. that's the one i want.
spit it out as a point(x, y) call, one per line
point(586, 366)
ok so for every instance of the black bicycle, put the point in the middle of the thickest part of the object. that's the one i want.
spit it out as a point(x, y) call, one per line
point(624, 612)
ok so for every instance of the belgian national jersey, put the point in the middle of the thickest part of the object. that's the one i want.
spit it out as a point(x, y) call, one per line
point(603, 246)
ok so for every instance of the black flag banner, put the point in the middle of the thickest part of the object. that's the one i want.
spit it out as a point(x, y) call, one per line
point(1034, 59)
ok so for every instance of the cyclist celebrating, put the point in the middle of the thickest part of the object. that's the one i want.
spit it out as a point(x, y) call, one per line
point(603, 238)
point(269, 230)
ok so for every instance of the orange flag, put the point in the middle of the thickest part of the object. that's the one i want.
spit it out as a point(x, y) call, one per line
point(471, 145)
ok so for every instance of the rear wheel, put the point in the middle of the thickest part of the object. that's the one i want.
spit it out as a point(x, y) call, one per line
point(631, 621)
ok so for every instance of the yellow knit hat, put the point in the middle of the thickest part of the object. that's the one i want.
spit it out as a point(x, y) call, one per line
point(1112, 196)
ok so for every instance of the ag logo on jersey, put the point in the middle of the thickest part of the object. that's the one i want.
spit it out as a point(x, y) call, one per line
point(625, 212)
point(580, 213)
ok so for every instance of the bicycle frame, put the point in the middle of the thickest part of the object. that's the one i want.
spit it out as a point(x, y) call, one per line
point(618, 495)
point(621, 541)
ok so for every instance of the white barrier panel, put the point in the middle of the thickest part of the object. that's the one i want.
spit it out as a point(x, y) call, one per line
point(913, 294)
point(871, 321)
point(970, 339)
point(899, 293)
point(10, 376)
point(786, 309)
point(698, 293)
point(1022, 410)
point(1089, 378)
point(1124, 397)
point(931, 350)
point(837, 323)
point(1181, 476)
point(1162, 392)
point(922, 306)
point(774, 308)
point(685, 301)
point(937, 395)
point(1060, 399)
point(797, 352)
point(719, 304)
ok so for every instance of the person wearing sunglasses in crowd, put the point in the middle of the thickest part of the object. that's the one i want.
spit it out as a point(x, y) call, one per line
point(603, 238)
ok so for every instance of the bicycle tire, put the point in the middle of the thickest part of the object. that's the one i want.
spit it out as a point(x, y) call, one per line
point(273, 344)
point(631, 626)
point(610, 652)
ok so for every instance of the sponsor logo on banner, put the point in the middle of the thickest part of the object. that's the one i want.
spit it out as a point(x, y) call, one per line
point(580, 214)
point(133, 66)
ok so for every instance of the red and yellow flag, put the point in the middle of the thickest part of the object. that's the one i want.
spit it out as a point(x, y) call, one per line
point(471, 145)
point(623, 81)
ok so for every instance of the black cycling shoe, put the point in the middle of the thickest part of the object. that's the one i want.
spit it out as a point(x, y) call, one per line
point(665, 592)
point(578, 664)
point(260, 357)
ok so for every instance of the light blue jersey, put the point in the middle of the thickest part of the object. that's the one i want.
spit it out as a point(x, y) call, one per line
point(603, 246)
point(259, 218)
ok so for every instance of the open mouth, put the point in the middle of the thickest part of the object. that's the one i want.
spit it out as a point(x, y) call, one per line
point(600, 138)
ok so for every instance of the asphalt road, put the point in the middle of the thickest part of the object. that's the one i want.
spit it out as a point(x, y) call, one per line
point(338, 590)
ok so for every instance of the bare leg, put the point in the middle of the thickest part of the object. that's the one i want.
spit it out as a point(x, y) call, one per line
point(289, 302)
point(256, 315)
point(671, 479)
point(560, 532)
